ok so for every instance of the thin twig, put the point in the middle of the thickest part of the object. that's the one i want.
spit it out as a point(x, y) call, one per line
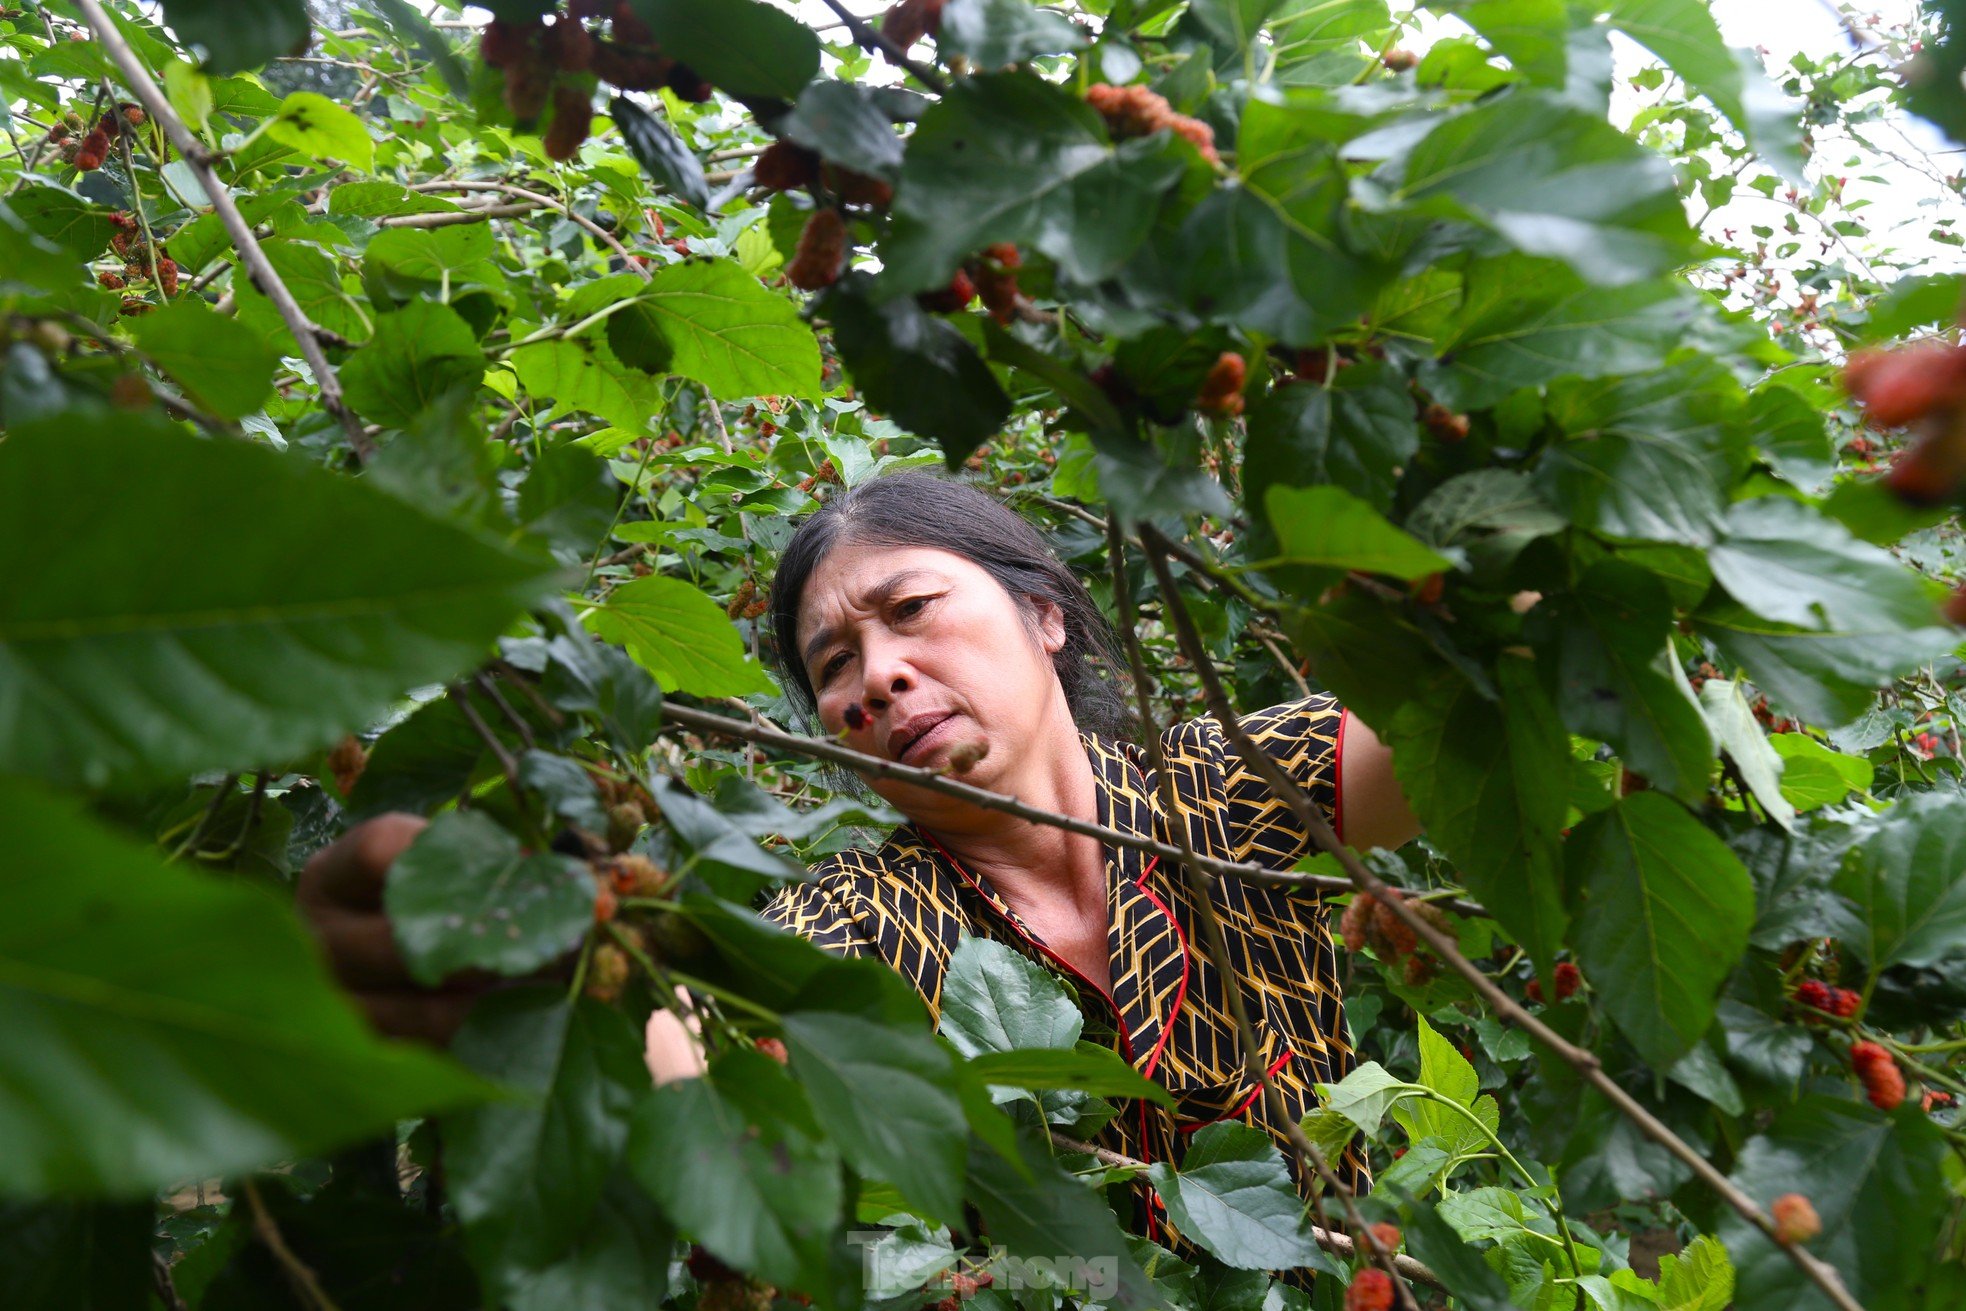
point(1823, 1275)
point(599, 233)
point(703, 721)
point(1331, 1240)
point(306, 1287)
point(199, 160)
point(874, 42)
point(1309, 1158)
point(507, 763)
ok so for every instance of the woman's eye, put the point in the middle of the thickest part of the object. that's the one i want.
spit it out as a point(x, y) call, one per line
point(832, 667)
point(911, 607)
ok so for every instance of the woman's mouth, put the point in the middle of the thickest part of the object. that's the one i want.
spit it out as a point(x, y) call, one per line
point(920, 736)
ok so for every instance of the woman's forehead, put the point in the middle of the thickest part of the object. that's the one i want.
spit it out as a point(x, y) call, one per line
point(857, 574)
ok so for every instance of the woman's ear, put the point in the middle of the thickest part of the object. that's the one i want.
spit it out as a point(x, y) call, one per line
point(1051, 625)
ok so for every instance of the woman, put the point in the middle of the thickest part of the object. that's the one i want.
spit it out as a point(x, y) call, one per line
point(922, 622)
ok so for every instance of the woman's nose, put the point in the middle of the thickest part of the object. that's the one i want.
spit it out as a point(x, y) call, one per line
point(885, 674)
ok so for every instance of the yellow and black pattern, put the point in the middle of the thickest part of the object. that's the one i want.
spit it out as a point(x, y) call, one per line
point(910, 903)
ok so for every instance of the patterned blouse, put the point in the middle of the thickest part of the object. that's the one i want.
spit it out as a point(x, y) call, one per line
point(911, 902)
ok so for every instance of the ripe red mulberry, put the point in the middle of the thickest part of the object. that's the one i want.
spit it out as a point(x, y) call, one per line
point(573, 119)
point(822, 250)
point(1371, 1290)
point(1883, 1082)
point(1813, 993)
point(1567, 980)
point(785, 166)
point(1221, 390)
point(908, 21)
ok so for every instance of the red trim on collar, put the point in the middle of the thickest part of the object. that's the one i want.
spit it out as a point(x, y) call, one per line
point(1246, 1102)
point(1338, 777)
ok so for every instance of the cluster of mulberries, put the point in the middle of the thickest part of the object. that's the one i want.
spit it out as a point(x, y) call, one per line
point(1368, 922)
point(1565, 979)
point(1923, 387)
point(1884, 1082)
point(908, 21)
point(1820, 996)
point(88, 151)
point(821, 252)
point(788, 166)
point(1135, 111)
point(128, 243)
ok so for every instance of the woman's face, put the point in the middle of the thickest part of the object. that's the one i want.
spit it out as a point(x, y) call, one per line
point(915, 654)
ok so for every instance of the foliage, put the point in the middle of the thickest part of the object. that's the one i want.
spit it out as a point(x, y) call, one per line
point(1420, 357)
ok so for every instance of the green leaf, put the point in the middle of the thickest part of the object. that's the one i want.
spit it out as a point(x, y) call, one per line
point(1619, 684)
point(888, 1096)
point(65, 1256)
point(655, 147)
point(1447, 1072)
point(1684, 34)
point(190, 94)
point(678, 634)
point(1330, 528)
point(320, 129)
point(1488, 781)
point(467, 896)
point(992, 33)
point(1663, 909)
point(429, 758)
point(1877, 1183)
point(757, 1190)
point(1531, 33)
point(1822, 677)
point(1524, 321)
point(116, 661)
point(122, 1071)
point(1356, 434)
point(235, 38)
point(746, 48)
point(730, 334)
point(1787, 562)
point(1328, 43)
point(407, 21)
point(1292, 214)
point(524, 1174)
point(845, 124)
point(1698, 1278)
point(417, 354)
point(1649, 457)
point(1010, 157)
point(1087, 1068)
point(1550, 179)
point(222, 365)
point(1814, 775)
point(1736, 732)
point(1789, 431)
point(916, 368)
point(315, 282)
point(1365, 1095)
point(584, 373)
point(1234, 1196)
point(1038, 1211)
point(1490, 515)
point(64, 218)
point(446, 256)
point(996, 999)
point(1902, 890)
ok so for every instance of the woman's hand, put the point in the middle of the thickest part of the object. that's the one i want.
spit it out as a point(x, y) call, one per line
point(340, 899)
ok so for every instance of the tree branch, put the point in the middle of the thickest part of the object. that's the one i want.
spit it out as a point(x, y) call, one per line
point(307, 1289)
point(199, 160)
point(1309, 1158)
point(873, 42)
point(703, 721)
point(1820, 1272)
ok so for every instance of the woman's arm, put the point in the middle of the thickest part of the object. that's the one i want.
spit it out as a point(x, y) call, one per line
point(671, 1048)
point(1372, 811)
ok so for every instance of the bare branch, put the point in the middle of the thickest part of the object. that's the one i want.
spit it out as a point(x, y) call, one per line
point(1309, 1157)
point(307, 1288)
point(199, 160)
point(873, 42)
point(703, 721)
point(1820, 1272)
